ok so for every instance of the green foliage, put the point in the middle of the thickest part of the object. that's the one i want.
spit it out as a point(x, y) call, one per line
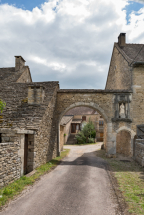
point(93, 134)
point(89, 130)
point(81, 139)
point(2, 105)
point(90, 140)
point(87, 134)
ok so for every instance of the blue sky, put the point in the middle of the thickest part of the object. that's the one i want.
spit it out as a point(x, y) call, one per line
point(25, 4)
point(133, 6)
point(71, 44)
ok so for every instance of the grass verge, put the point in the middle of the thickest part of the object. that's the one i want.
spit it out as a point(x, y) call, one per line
point(84, 144)
point(10, 191)
point(130, 178)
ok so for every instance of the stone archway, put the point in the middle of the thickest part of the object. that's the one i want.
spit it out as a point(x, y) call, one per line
point(93, 106)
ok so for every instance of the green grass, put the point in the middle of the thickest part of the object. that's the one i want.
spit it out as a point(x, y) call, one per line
point(130, 178)
point(10, 191)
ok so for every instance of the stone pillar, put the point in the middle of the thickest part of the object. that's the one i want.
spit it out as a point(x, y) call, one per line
point(111, 141)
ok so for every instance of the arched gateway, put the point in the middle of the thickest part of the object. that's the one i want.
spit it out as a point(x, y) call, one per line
point(106, 102)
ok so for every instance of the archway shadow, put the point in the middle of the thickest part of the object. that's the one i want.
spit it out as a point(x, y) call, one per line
point(99, 160)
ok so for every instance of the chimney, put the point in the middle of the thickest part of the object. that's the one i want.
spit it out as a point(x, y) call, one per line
point(19, 63)
point(122, 39)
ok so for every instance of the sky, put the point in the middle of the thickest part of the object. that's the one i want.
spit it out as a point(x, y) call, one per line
point(69, 41)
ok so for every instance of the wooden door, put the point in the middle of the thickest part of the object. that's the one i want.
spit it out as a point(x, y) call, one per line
point(25, 153)
point(83, 118)
point(73, 128)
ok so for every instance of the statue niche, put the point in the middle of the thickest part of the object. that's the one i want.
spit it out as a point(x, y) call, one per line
point(122, 113)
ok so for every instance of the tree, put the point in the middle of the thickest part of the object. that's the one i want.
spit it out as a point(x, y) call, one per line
point(87, 134)
point(2, 105)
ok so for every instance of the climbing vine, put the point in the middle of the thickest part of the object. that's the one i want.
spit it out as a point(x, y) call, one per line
point(2, 105)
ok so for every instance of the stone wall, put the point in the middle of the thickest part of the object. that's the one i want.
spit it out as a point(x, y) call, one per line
point(119, 76)
point(65, 131)
point(139, 151)
point(26, 76)
point(137, 107)
point(45, 140)
point(10, 160)
point(62, 138)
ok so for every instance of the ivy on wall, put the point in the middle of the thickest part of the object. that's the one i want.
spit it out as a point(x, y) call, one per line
point(2, 105)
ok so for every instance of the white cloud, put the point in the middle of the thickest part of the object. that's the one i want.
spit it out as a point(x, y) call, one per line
point(67, 41)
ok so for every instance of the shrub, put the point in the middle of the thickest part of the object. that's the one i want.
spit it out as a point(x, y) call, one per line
point(81, 139)
point(91, 140)
point(87, 134)
point(89, 130)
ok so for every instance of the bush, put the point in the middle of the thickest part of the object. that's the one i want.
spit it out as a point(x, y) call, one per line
point(93, 134)
point(81, 139)
point(87, 134)
point(91, 140)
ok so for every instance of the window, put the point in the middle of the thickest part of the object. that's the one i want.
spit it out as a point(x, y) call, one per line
point(83, 118)
point(101, 122)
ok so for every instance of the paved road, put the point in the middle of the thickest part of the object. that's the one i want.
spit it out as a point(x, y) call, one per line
point(80, 185)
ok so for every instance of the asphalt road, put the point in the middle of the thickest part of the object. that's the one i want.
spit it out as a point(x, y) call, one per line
point(80, 185)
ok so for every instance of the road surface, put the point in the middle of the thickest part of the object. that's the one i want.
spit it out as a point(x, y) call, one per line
point(80, 185)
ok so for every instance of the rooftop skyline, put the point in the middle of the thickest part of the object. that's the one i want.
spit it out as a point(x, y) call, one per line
point(68, 41)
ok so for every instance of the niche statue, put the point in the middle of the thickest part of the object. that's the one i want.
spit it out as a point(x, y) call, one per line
point(122, 111)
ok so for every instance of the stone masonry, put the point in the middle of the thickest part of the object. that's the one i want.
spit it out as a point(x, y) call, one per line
point(30, 122)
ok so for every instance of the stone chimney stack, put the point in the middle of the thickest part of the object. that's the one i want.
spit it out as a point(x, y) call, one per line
point(19, 63)
point(122, 39)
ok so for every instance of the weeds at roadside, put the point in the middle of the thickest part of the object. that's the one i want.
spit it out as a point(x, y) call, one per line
point(130, 178)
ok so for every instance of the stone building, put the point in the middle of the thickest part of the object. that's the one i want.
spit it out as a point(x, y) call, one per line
point(30, 123)
point(65, 130)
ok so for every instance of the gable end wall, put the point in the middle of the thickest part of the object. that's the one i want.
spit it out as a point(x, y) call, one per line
point(119, 76)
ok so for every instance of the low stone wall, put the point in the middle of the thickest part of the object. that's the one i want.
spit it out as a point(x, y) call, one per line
point(9, 162)
point(139, 151)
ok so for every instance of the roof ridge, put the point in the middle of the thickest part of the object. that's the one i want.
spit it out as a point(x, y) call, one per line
point(128, 59)
point(134, 60)
point(7, 67)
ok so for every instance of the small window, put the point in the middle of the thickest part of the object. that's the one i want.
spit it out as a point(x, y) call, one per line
point(83, 118)
point(101, 122)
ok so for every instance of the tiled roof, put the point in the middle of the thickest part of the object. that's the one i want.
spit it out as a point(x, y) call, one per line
point(81, 111)
point(9, 75)
point(132, 52)
point(65, 120)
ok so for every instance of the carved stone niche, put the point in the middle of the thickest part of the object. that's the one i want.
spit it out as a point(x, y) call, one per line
point(122, 107)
